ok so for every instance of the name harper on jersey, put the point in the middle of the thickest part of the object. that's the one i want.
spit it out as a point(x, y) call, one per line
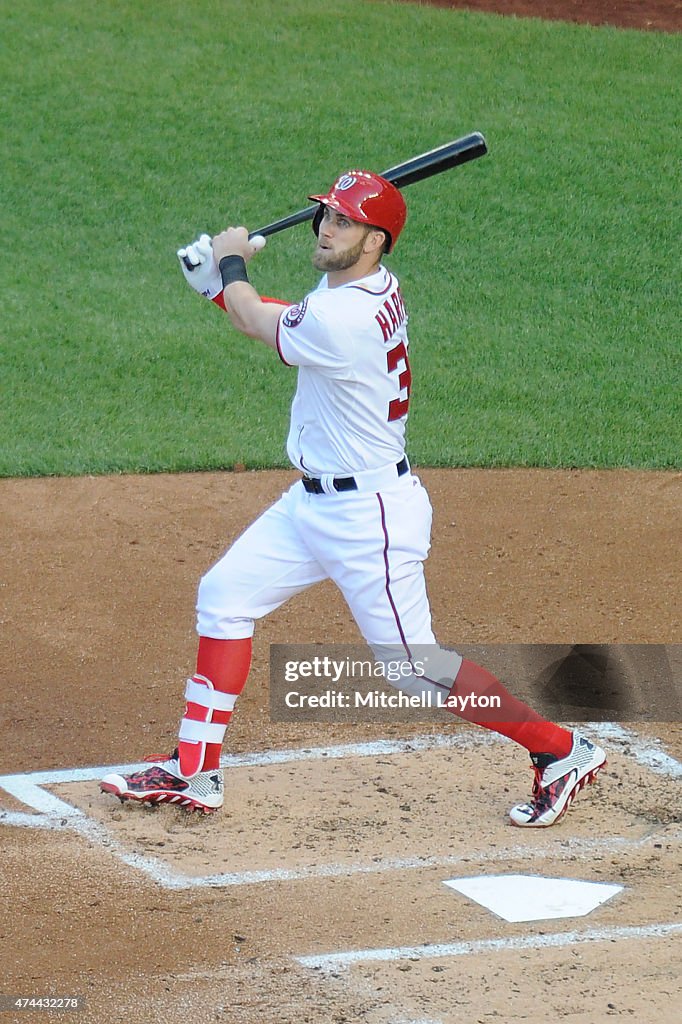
point(392, 314)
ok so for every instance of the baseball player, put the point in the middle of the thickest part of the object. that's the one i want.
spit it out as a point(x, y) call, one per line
point(358, 515)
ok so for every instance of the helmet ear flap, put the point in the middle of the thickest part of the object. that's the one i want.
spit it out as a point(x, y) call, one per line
point(317, 219)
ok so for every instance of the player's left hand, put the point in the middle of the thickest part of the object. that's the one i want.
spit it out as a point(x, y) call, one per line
point(204, 277)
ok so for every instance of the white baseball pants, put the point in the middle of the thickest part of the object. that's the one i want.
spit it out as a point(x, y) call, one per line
point(372, 545)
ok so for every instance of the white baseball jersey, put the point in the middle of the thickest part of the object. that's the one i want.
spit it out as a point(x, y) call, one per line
point(351, 349)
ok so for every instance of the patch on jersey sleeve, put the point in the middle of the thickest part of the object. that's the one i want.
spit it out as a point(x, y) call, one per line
point(293, 316)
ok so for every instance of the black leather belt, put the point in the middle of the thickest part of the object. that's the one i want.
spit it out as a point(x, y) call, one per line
point(313, 485)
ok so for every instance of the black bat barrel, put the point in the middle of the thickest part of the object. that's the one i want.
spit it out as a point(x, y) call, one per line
point(452, 154)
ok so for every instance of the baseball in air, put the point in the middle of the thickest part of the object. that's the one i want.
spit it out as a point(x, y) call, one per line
point(258, 242)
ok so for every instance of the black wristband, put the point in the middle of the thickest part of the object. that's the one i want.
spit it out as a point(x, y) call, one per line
point(233, 268)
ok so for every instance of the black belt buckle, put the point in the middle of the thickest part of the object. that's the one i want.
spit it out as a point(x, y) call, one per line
point(311, 485)
point(345, 483)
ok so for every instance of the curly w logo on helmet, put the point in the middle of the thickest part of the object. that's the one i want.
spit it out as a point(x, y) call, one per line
point(346, 181)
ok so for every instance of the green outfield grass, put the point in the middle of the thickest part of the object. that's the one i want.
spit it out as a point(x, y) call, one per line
point(542, 281)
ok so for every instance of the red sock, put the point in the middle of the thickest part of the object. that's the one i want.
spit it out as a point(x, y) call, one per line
point(516, 720)
point(222, 670)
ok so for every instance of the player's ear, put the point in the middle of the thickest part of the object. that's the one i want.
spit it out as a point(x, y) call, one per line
point(375, 241)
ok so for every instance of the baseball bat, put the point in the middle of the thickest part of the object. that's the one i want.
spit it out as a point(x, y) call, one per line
point(426, 165)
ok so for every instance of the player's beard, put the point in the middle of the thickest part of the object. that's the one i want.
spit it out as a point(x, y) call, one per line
point(326, 260)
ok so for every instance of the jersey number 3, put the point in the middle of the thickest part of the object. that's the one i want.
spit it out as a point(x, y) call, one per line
point(398, 407)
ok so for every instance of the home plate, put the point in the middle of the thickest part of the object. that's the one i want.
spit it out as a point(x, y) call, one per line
point(532, 897)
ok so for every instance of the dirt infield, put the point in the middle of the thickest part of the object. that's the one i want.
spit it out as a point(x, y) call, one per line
point(657, 15)
point(335, 841)
point(153, 914)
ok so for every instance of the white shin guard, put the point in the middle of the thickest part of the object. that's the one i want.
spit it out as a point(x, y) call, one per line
point(196, 732)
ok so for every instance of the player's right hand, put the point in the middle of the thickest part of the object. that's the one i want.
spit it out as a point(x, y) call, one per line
point(204, 277)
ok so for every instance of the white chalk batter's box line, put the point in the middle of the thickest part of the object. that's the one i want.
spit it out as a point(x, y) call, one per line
point(332, 963)
point(55, 813)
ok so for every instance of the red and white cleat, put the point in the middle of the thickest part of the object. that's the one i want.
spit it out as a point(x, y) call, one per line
point(557, 782)
point(164, 783)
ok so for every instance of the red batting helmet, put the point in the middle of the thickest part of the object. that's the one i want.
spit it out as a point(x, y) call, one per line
point(367, 198)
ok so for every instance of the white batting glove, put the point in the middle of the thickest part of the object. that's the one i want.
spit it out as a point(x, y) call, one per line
point(204, 277)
